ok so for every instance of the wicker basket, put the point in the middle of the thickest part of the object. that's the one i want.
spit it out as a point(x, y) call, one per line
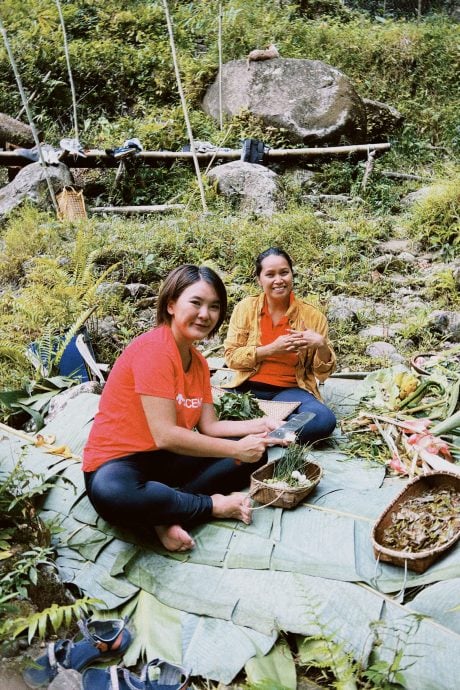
point(71, 204)
point(289, 497)
point(421, 560)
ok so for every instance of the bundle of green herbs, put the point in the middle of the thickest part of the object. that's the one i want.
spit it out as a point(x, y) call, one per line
point(289, 469)
point(237, 406)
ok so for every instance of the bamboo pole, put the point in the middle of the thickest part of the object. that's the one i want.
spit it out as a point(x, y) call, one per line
point(184, 106)
point(96, 157)
point(136, 209)
point(219, 45)
point(25, 103)
point(69, 71)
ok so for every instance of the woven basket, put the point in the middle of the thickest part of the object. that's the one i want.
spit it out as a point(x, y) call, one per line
point(289, 497)
point(271, 408)
point(421, 560)
point(71, 204)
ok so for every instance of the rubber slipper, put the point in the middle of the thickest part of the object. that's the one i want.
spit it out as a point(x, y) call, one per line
point(100, 640)
point(112, 678)
point(156, 675)
point(161, 675)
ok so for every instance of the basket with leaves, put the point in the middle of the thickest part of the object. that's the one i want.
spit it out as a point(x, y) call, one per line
point(286, 482)
point(237, 406)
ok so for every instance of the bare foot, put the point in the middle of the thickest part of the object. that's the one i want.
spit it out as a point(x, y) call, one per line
point(174, 538)
point(236, 506)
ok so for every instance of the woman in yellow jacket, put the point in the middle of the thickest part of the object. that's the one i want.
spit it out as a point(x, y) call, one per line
point(278, 345)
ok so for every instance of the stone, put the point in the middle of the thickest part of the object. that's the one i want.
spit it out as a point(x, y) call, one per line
point(66, 679)
point(415, 197)
point(381, 349)
point(30, 184)
point(447, 323)
point(137, 290)
point(311, 102)
point(250, 186)
point(15, 132)
point(382, 121)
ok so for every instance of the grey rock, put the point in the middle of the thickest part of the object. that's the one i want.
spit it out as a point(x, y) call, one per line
point(447, 323)
point(107, 327)
point(415, 197)
point(66, 679)
point(396, 246)
point(310, 101)
point(252, 187)
point(382, 120)
point(59, 402)
point(138, 290)
point(30, 183)
point(381, 331)
point(380, 349)
point(15, 132)
point(116, 289)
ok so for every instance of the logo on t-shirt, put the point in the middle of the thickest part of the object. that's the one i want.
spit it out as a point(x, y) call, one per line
point(189, 402)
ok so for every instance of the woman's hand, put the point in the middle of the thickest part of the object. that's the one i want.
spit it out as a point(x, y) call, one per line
point(285, 343)
point(264, 424)
point(251, 448)
point(307, 338)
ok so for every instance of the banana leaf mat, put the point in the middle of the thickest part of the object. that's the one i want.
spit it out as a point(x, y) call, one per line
point(309, 571)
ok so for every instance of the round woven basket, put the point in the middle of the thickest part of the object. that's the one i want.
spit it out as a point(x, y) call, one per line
point(277, 497)
point(421, 560)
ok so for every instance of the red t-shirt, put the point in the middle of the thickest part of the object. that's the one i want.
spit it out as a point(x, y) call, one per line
point(279, 369)
point(150, 365)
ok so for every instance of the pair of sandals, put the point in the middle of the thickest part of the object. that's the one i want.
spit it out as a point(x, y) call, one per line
point(101, 641)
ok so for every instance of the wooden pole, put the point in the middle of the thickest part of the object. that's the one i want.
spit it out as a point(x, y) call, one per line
point(219, 44)
point(25, 103)
point(69, 71)
point(98, 158)
point(136, 209)
point(184, 106)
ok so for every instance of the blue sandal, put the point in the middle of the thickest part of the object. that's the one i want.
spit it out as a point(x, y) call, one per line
point(98, 643)
point(166, 677)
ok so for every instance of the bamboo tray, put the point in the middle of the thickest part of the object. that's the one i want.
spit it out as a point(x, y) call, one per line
point(268, 494)
point(421, 560)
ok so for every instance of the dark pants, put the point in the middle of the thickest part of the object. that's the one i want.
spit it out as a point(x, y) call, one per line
point(163, 488)
point(321, 426)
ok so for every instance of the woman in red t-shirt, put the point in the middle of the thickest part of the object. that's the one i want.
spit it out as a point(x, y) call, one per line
point(157, 456)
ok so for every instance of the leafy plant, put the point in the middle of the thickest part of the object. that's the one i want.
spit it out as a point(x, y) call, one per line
point(289, 467)
point(237, 406)
point(56, 615)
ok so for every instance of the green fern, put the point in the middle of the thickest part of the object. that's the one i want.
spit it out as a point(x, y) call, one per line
point(56, 615)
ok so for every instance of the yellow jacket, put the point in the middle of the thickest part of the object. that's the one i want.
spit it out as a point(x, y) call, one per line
point(244, 336)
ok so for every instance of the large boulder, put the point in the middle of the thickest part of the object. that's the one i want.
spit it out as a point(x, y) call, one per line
point(382, 121)
point(249, 186)
point(14, 132)
point(30, 183)
point(313, 102)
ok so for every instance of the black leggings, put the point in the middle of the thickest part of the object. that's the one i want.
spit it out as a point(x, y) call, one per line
point(163, 488)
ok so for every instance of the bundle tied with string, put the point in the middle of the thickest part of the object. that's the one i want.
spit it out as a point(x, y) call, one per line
point(71, 204)
point(280, 496)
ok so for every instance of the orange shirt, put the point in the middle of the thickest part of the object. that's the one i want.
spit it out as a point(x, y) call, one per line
point(279, 369)
point(150, 365)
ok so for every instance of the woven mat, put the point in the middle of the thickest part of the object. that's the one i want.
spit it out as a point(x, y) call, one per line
point(272, 408)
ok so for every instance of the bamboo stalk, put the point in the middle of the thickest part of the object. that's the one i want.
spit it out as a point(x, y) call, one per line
point(136, 209)
point(99, 158)
point(184, 105)
point(25, 103)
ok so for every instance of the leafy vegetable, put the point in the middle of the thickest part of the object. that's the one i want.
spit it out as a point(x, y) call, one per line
point(237, 406)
